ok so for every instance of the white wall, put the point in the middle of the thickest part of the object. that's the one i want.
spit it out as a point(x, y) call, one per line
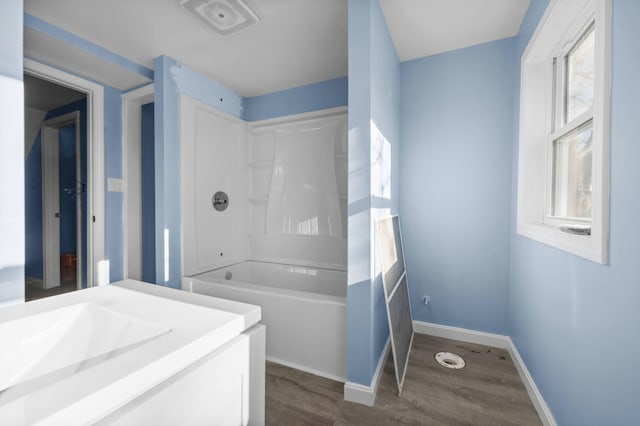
point(11, 154)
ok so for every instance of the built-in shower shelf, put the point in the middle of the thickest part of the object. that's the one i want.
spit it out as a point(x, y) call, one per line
point(258, 200)
point(342, 155)
point(261, 164)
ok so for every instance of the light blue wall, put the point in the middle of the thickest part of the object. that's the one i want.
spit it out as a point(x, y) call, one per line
point(360, 365)
point(457, 115)
point(374, 73)
point(313, 97)
point(385, 115)
point(11, 154)
point(574, 322)
point(114, 201)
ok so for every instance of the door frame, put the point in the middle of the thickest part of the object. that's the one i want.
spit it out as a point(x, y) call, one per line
point(95, 157)
point(132, 102)
point(50, 133)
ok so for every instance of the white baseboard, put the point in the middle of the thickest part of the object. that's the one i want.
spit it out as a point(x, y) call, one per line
point(462, 334)
point(497, 341)
point(366, 395)
point(306, 369)
point(536, 397)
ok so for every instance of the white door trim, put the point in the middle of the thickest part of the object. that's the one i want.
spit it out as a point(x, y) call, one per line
point(50, 206)
point(95, 156)
point(80, 194)
point(131, 141)
point(50, 131)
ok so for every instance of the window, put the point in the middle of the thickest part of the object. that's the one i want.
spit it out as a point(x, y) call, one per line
point(571, 139)
point(564, 129)
point(571, 182)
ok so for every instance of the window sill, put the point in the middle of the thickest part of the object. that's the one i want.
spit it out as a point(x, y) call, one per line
point(586, 246)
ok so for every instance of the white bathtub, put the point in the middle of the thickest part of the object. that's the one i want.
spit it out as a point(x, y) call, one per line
point(304, 309)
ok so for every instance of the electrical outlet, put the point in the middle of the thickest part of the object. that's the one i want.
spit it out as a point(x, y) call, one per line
point(426, 300)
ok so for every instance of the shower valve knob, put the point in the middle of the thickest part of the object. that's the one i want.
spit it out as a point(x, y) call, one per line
point(220, 201)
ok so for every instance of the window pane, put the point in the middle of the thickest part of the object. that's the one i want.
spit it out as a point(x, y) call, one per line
point(580, 76)
point(572, 173)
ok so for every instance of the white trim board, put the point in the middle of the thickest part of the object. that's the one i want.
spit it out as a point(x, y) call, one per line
point(366, 395)
point(305, 369)
point(536, 397)
point(461, 334)
point(496, 341)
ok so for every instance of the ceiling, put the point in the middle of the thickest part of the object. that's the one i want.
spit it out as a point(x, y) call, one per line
point(296, 42)
point(45, 96)
point(426, 27)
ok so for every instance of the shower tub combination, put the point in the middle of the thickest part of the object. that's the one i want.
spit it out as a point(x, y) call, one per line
point(285, 181)
point(304, 309)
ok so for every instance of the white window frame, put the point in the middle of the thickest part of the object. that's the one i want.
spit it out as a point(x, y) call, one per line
point(563, 23)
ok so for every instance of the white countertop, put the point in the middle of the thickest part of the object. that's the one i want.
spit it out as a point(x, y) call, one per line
point(181, 328)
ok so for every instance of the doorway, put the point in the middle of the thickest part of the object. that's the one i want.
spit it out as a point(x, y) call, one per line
point(94, 220)
point(55, 186)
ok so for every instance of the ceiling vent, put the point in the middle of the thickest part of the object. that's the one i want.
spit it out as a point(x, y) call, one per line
point(223, 16)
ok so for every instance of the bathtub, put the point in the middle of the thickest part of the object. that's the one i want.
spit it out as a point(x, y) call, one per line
point(304, 309)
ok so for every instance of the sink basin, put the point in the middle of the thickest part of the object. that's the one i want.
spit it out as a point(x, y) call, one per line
point(85, 356)
point(43, 343)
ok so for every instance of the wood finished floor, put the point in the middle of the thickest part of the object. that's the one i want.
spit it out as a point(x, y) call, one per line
point(488, 391)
